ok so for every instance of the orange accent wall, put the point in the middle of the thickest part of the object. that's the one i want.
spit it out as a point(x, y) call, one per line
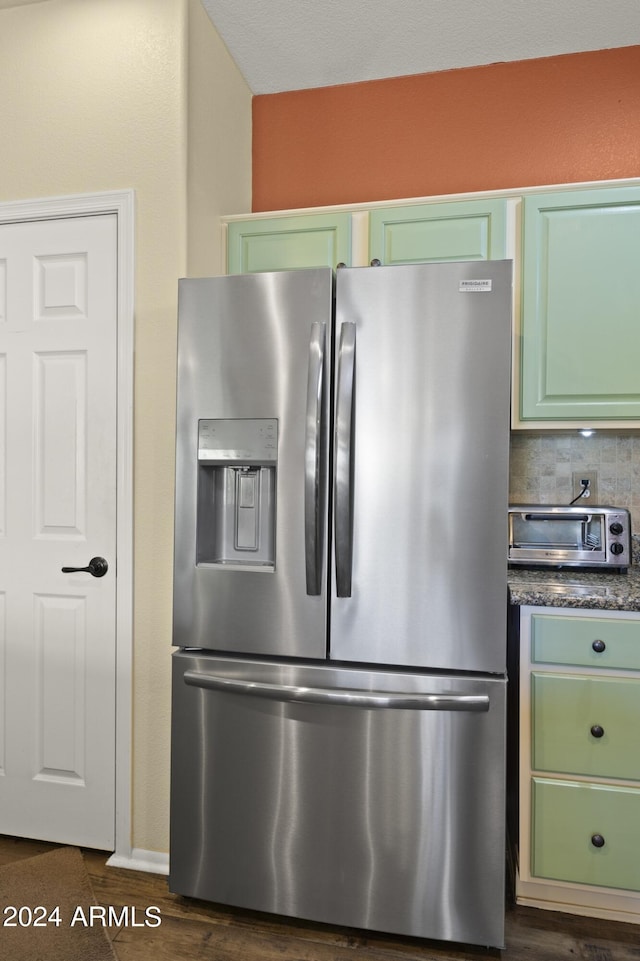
point(554, 120)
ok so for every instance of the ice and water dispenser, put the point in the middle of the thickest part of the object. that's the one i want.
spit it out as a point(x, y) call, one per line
point(237, 462)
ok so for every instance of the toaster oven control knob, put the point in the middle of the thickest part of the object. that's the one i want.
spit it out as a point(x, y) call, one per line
point(616, 548)
point(616, 528)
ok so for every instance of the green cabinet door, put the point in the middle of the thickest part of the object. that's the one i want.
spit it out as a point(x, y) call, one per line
point(584, 832)
point(585, 725)
point(288, 243)
point(606, 643)
point(581, 306)
point(466, 230)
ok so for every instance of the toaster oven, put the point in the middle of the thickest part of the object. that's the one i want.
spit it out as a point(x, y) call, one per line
point(569, 536)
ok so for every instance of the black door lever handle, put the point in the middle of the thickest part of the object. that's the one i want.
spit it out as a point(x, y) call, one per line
point(97, 567)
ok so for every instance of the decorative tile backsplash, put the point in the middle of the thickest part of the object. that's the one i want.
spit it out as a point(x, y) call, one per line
point(542, 467)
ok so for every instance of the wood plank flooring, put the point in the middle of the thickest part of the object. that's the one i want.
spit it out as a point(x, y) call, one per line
point(197, 931)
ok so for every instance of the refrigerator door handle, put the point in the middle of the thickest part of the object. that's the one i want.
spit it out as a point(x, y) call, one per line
point(312, 460)
point(406, 701)
point(343, 493)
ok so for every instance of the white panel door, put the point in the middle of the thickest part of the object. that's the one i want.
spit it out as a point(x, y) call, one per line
point(58, 312)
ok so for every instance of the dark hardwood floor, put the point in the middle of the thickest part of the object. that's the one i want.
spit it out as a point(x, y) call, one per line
point(197, 931)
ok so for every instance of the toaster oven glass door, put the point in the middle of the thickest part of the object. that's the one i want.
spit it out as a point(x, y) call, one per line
point(575, 537)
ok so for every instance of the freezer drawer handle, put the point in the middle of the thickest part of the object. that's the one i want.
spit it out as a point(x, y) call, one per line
point(312, 460)
point(344, 459)
point(346, 697)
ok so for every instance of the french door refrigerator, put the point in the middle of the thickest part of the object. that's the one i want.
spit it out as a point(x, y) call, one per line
point(339, 688)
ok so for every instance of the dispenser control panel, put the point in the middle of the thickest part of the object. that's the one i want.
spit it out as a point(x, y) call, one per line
point(240, 441)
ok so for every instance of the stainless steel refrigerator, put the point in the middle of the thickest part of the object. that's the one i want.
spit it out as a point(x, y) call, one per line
point(338, 714)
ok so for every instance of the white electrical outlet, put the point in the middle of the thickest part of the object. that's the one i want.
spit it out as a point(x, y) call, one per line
point(591, 493)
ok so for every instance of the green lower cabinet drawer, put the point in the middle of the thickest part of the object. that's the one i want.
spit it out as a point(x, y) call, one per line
point(586, 725)
point(601, 642)
point(586, 833)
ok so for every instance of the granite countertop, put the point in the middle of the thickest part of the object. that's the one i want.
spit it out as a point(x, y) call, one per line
point(571, 587)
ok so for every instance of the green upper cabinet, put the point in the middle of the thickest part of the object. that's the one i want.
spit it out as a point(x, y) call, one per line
point(288, 243)
point(581, 306)
point(465, 230)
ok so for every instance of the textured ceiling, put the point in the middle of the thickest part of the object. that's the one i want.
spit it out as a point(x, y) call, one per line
point(294, 44)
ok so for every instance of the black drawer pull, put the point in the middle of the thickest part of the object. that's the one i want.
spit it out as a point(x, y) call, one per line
point(597, 731)
point(599, 646)
point(597, 840)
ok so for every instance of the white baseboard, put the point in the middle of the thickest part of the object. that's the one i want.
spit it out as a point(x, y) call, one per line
point(153, 862)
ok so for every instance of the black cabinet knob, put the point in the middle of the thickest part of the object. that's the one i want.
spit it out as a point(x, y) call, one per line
point(599, 646)
point(597, 840)
point(597, 731)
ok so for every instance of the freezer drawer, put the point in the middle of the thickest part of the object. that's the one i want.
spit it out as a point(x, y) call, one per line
point(360, 798)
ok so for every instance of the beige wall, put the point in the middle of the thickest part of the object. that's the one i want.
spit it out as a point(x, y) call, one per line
point(219, 116)
point(114, 94)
